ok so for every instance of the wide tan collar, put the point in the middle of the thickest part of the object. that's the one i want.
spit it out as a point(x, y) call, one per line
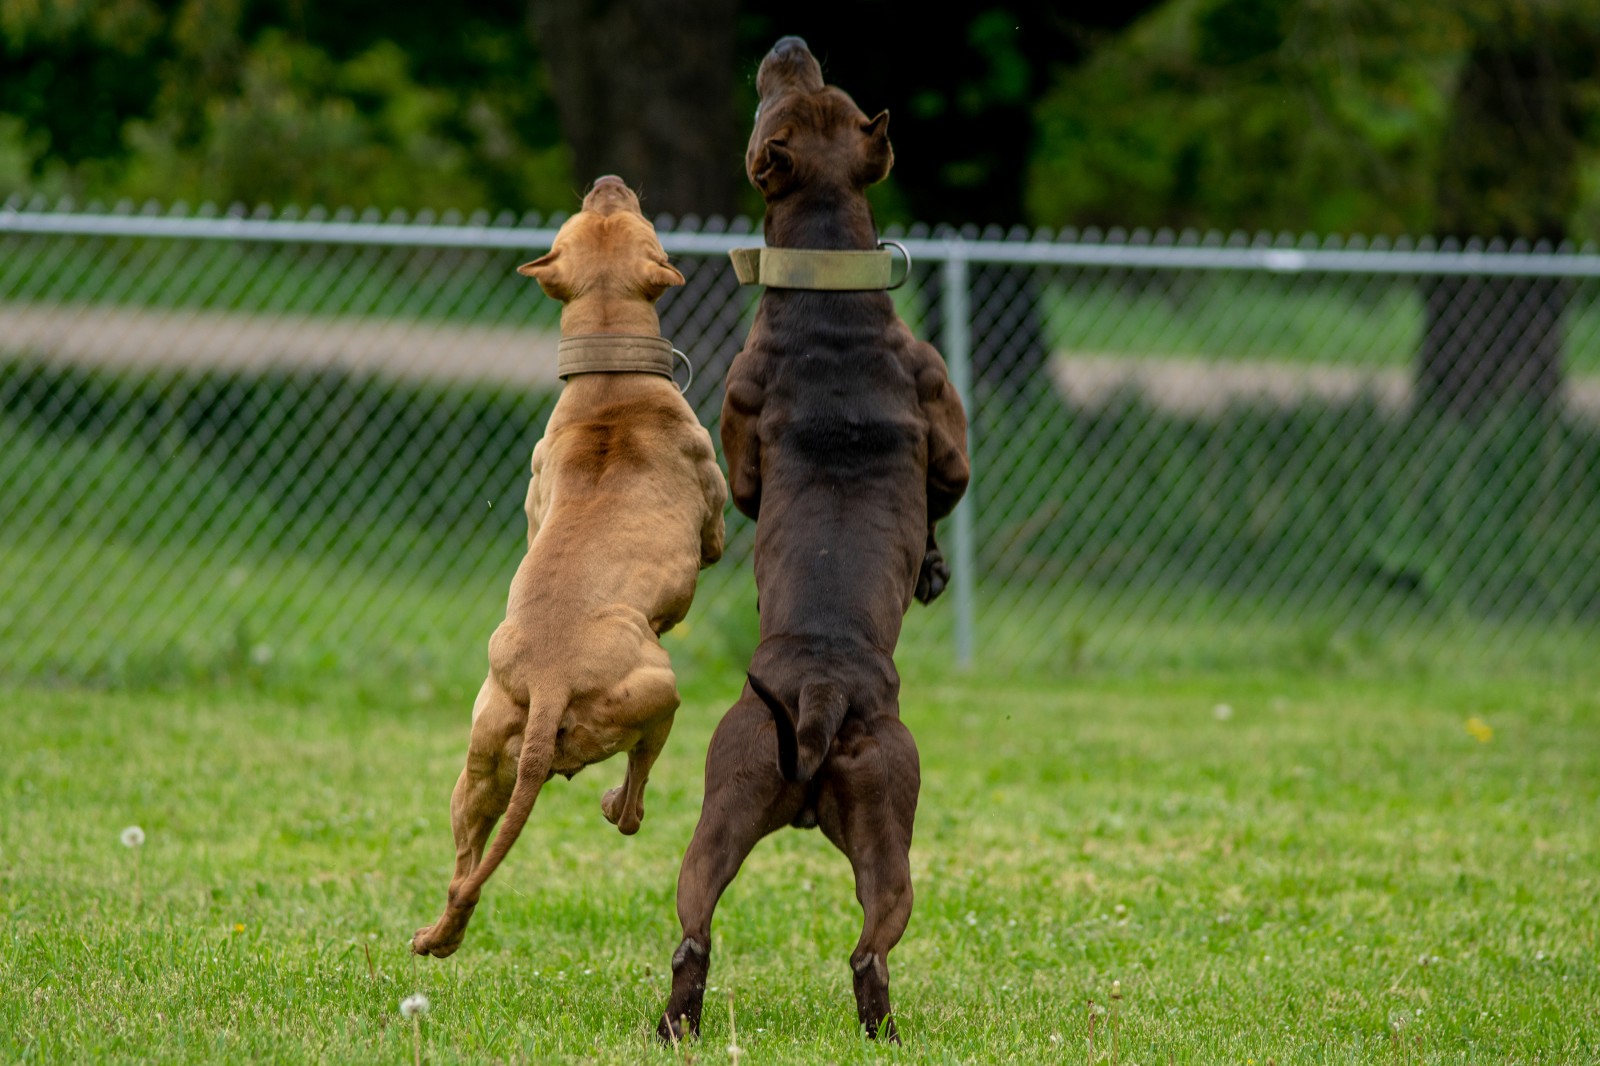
point(614, 353)
point(820, 270)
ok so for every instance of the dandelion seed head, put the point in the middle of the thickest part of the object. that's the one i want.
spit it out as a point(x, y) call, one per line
point(1222, 712)
point(414, 1004)
point(132, 837)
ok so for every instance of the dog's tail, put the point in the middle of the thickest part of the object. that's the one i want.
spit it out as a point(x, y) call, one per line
point(804, 737)
point(533, 769)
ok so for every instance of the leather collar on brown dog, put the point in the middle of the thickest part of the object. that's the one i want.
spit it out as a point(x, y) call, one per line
point(614, 353)
point(819, 270)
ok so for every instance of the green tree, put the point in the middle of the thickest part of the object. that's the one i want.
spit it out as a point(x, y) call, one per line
point(343, 102)
point(1458, 118)
point(1252, 114)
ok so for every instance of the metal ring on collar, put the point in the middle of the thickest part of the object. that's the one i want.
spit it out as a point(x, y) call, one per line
point(687, 366)
point(902, 250)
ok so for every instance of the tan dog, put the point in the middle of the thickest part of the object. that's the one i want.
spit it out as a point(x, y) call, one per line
point(624, 509)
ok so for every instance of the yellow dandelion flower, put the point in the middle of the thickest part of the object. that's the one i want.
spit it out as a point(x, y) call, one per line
point(1480, 730)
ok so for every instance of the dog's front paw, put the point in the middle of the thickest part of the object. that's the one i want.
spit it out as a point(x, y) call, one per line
point(934, 577)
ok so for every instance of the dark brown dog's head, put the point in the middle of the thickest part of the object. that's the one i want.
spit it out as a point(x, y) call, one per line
point(811, 135)
point(609, 250)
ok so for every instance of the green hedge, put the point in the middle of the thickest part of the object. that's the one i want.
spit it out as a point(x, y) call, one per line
point(287, 461)
point(1295, 502)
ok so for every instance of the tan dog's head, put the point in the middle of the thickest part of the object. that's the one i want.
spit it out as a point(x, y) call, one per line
point(606, 263)
point(809, 134)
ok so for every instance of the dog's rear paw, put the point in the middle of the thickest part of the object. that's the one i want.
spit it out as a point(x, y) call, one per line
point(934, 577)
point(612, 806)
point(672, 1030)
point(429, 941)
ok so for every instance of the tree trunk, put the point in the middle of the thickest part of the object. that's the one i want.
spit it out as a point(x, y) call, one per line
point(1507, 169)
point(1492, 342)
point(645, 89)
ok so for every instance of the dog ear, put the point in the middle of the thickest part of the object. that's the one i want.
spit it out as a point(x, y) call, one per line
point(877, 155)
point(546, 270)
point(772, 164)
point(659, 277)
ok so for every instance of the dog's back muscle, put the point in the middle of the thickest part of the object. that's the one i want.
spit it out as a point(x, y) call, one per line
point(827, 563)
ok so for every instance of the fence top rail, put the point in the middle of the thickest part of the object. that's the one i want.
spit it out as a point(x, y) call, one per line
point(1263, 254)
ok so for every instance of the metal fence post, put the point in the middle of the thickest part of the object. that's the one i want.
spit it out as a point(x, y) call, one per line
point(957, 345)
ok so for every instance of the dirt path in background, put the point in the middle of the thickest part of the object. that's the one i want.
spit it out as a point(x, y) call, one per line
point(139, 339)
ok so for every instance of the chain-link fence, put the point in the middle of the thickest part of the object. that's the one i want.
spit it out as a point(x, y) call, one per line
point(243, 444)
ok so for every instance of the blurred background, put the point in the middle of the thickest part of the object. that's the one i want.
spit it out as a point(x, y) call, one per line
point(1278, 320)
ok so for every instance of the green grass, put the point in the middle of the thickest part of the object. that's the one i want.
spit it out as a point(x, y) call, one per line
point(1334, 869)
point(250, 616)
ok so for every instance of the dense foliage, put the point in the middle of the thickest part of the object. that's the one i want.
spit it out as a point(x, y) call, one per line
point(1332, 116)
point(1325, 115)
point(339, 103)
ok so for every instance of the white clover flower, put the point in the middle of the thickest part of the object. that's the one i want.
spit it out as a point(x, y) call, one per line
point(414, 1004)
point(132, 837)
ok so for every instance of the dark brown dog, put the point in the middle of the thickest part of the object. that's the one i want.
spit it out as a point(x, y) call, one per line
point(846, 440)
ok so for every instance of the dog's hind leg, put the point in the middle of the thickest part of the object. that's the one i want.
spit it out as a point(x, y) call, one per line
point(649, 693)
point(745, 800)
point(866, 807)
point(482, 793)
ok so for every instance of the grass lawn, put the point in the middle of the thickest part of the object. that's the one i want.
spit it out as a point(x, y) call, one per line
point(1315, 866)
